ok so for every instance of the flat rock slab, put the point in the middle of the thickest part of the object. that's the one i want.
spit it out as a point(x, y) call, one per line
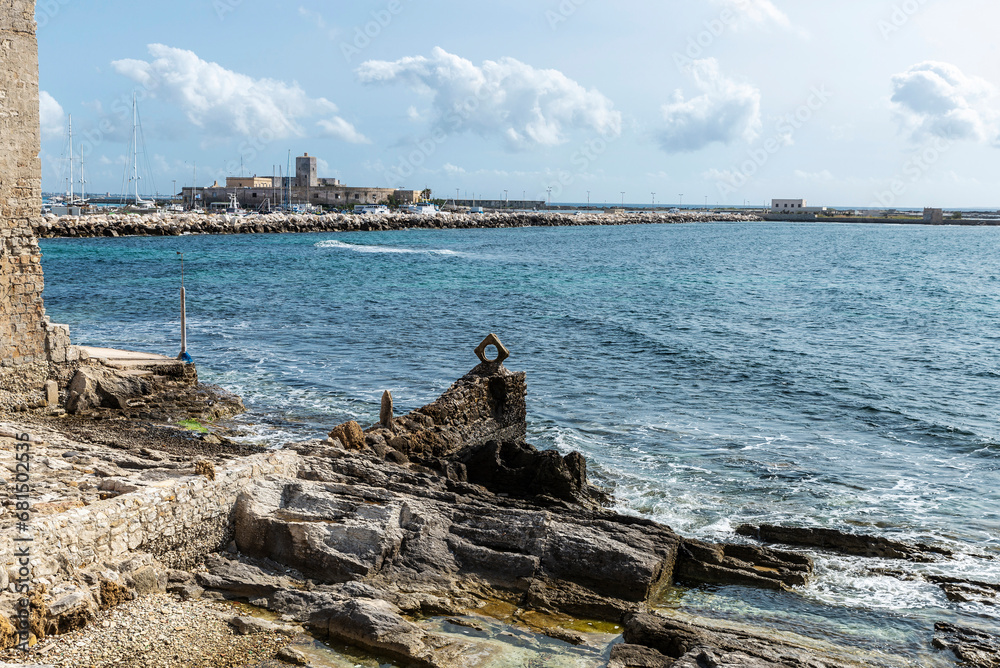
point(126, 359)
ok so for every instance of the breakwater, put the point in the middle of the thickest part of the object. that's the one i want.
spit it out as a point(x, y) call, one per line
point(161, 224)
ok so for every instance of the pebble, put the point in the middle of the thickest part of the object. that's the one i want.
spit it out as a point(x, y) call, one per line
point(199, 638)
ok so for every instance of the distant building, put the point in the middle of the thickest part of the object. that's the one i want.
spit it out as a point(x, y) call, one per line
point(787, 205)
point(934, 216)
point(250, 182)
point(794, 206)
point(304, 189)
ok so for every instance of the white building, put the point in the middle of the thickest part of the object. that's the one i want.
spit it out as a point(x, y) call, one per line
point(787, 205)
point(794, 206)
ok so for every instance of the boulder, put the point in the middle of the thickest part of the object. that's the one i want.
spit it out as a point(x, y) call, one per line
point(375, 626)
point(72, 610)
point(92, 388)
point(350, 435)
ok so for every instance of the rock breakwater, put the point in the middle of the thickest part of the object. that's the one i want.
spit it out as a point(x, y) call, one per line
point(163, 224)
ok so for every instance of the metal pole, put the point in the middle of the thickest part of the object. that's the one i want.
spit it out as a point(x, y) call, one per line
point(183, 354)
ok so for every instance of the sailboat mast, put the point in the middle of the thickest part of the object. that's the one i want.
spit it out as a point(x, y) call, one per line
point(135, 149)
point(70, 202)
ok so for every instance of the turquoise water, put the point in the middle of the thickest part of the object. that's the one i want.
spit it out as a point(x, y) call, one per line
point(713, 374)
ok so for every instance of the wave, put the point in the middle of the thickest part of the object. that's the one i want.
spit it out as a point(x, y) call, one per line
point(333, 243)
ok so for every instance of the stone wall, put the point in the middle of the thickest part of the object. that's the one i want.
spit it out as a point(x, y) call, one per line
point(26, 337)
point(179, 520)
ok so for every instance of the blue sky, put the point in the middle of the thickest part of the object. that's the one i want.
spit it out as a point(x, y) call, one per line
point(843, 102)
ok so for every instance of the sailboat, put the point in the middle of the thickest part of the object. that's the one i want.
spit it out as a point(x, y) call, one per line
point(138, 204)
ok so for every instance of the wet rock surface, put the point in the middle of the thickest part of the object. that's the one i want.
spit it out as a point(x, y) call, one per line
point(843, 542)
point(690, 645)
point(974, 647)
point(446, 511)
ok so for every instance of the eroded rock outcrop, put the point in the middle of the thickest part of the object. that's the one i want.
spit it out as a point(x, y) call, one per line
point(974, 647)
point(840, 541)
point(690, 645)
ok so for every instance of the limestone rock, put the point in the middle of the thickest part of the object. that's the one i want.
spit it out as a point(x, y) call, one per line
point(375, 626)
point(292, 656)
point(488, 403)
point(696, 646)
point(93, 388)
point(842, 542)
point(385, 414)
point(350, 435)
point(246, 625)
point(741, 565)
point(975, 648)
point(519, 469)
point(240, 579)
point(637, 656)
point(71, 611)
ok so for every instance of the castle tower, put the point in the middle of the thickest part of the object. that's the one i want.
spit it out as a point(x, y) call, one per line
point(25, 336)
point(305, 172)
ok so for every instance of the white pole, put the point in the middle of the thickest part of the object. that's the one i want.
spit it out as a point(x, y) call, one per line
point(184, 336)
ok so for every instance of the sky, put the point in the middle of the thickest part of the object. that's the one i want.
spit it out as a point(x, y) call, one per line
point(849, 103)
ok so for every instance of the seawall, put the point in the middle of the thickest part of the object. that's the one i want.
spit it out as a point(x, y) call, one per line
point(179, 520)
point(114, 224)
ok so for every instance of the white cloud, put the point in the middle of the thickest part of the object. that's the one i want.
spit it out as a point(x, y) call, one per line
point(229, 104)
point(824, 176)
point(727, 111)
point(934, 99)
point(756, 12)
point(51, 116)
point(524, 106)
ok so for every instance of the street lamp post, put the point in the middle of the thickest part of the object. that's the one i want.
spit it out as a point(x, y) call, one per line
point(588, 199)
point(506, 200)
point(623, 199)
point(654, 198)
point(550, 195)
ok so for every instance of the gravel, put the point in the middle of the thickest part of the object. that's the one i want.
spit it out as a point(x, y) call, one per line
point(157, 632)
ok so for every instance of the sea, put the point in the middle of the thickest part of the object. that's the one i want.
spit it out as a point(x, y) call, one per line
point(713, 374)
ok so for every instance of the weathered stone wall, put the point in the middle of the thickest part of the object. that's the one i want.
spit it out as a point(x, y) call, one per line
point(26, 337)
point(179, 520)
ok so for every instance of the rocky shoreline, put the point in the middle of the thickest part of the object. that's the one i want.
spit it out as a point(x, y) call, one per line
point(166, 224)
point(402, 540)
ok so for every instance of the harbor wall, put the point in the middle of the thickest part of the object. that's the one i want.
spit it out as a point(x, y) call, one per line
point(179, 520)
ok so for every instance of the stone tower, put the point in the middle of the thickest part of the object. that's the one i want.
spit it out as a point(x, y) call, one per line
point(305, 172)
point(26, 337)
